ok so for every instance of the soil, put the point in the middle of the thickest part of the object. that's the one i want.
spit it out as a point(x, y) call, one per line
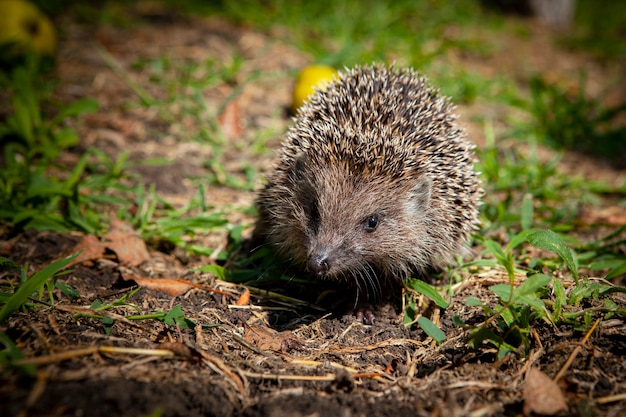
point(268, 356)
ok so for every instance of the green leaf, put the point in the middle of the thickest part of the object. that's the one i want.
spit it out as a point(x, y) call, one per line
point(79, 219)
point(473, 301)
point(518, 239)
point(204, 221)
point(23, 120)
point(550, 241)
point(219, 271)
point(610, 263)
point(199, 250)
point(65, 137)
point(108, 323)
point(507, 316)
point(6, 263)
point(42, 222)
point(12, 353)
point(431, 329)
point(77, 172)
point(458, 321)
point(617, 271)
point(532, 284)
point(502, 290)
point(504, 258)
point(480, 334)
point(236, 233)
point(504, 349)
point(67, 290)
point(176, 316)
point(495, 249)
point(525, 293)
point(31, 285)
point(533, 301)
point(429, 291)
point(409, 313)
point(76, 108)
point(527, 212)
point(99, 306)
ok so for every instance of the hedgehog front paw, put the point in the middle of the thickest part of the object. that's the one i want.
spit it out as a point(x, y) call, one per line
point(364, 314)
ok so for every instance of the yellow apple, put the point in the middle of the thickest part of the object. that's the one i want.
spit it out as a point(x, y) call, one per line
point(24, 28)
point(309, 79)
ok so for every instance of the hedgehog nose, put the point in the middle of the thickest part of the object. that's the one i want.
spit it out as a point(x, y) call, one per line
point(318, 264)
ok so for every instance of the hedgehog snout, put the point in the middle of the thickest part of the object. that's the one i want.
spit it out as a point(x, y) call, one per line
point(319, 263)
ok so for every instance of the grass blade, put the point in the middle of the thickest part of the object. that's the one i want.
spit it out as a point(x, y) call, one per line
point(617, 271)
point(31, 285)
point(527, 212)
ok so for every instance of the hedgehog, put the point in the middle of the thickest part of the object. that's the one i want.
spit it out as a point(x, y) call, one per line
point(374, 183)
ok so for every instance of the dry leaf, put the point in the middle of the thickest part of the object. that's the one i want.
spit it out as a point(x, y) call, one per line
point(172, 287)
point(6, 246)
point(129, 248)
point(542, 395)
point(269, 339)
point(121, 239)
point(229, 120)
point(610, 216)
point(91, 248)
point(244, 299)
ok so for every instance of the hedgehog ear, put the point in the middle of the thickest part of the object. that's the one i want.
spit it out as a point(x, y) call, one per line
point(420, 196)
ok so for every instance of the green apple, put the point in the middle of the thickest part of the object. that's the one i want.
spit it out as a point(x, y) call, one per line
point(24, 28)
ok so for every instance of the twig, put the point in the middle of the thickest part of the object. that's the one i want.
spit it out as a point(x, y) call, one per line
point(278, 377)
point(334, 349)
point(611, 398)
point(572, 355)
point(58, 357)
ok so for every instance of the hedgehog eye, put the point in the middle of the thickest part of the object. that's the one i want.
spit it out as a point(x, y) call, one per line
point(371, 223)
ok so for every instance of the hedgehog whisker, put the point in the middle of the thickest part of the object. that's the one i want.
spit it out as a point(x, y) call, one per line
point(358, 292)
point(374, 281)
point(359, 275)
point(370, 282)
point(256, 248)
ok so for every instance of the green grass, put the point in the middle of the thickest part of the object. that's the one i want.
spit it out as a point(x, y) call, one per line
point(35, 191)
point(600, 29)
point(573, 121)
point(161, 224)
point(540, 297)
point(411, 32)
point(39, 191)
point(36, 283)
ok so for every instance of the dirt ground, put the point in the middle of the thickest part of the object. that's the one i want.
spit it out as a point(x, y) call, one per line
point(267, 357)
